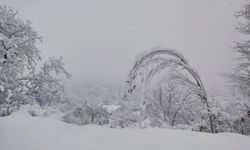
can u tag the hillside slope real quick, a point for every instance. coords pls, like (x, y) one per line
(23, 132)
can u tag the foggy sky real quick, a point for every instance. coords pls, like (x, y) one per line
(100, 39)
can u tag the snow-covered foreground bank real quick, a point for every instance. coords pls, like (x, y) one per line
(23, 132)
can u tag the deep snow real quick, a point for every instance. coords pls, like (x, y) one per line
(21, 131)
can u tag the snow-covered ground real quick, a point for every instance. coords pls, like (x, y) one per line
(21, 131)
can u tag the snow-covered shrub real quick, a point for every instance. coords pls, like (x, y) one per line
(230, 115)
(37, 111)
(201, 127)
(88, 114)
(165, 105)
(128, 115)
(222, 122)
(221, 119)
(182, 127)
(7, 109)
(171, 104)
(10, 105)
(241, 112)
(242, 124)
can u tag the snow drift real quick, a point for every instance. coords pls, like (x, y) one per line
(24, 132)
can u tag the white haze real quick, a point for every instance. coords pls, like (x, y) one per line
(100, 39)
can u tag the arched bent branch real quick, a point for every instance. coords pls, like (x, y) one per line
(176, 61)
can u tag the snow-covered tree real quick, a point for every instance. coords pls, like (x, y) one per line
(18, 54)
(19, 57)
(43, 85)
(147, 65)
(240, 75)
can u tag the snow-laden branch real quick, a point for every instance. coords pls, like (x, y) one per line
(147, 65)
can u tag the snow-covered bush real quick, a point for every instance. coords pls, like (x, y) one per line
(88, 114)
(6, 109)
(128, 115)
(239, 111)
(170, 104)
(229, 115)
(37, 111)
(242, 124)
(201, 127)
(222, 122)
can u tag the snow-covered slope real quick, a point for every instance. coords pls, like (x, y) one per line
(24, 132)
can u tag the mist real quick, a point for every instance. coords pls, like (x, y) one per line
(99, 40)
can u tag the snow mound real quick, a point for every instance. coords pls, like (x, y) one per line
(21, 131)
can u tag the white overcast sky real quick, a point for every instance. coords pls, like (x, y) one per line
(99, 39)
